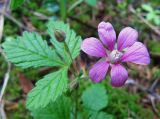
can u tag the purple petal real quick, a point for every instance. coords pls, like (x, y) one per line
(118, 75)
(98, 71)
(127, 37)
(93, 47)
(107, 34)
(137, 54)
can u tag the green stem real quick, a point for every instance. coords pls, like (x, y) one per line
(63, 9)
(76, 104)
(76, 78)
(70, 55)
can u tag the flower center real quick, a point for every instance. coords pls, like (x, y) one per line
(115, 56)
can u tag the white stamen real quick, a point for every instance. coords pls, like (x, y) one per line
(115, 56)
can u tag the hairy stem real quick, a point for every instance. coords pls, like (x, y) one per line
(76, 78)
(70, 55)
(76, 104)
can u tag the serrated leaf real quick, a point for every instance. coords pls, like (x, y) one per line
(58, 110)
(31, 50)
(16, 3)
(72, 40)
(47, 89)
(92, 3)
(147, 7)
(95, 97)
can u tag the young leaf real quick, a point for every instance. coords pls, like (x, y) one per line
(31, 51)
(95, 97)
(16, 3)
(71, 39)
(147, 7)
(150, 16)
(58, 110)
(47, 89)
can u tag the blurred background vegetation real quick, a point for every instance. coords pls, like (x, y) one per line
(139, 99)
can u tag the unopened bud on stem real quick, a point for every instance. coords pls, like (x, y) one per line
(60, 35)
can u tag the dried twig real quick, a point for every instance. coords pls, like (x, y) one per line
(10, 17)
(2, 112)
(154, 85)
(7, 75)
(152, 100)
(1, 25)
(4, 7)
(154, 28)
(151, 94)
(40, 15)
(144, 89)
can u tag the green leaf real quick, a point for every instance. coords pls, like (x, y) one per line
(95, 97)
(16, 3)
(101, 115)
(47, 89)
(31, 51)
(72, 41)
(58, 110)
(157, 12)
(147, 7)
(92, 3)
(157, 20)
(150, 16)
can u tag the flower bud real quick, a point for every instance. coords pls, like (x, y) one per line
(60, 35)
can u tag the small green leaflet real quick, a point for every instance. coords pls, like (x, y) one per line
(150, 16)
(95, 97)
(31, 51)
(47, 89)
(60, 109)
(153, 14)
(72, 40)
(16, 3)
(147, 7)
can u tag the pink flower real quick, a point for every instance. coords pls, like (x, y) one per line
(127, 49)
